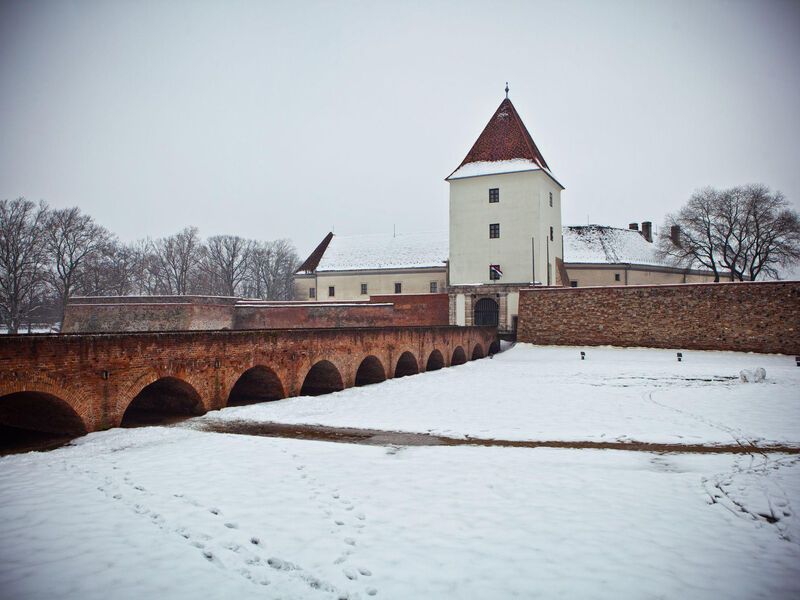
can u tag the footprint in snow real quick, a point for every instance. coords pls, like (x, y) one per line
(364, 572)
(350, 574)
(231, 526)
(213, 511)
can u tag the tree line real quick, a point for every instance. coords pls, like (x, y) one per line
(49, 255)
(741, 233)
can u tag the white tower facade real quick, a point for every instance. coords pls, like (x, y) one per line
(505, 209)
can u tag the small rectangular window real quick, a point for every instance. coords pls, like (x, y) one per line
(494, 230)
(398, 288)
(616, 276)
(573, 284)
(494, 272)
(434, 287)
(331, 290)
(551, 198)
(494, 195)
(312, 293)
(551, 234)
(363, 289)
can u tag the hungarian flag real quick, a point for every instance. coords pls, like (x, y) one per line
(496, 270)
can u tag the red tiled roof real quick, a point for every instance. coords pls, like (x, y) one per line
(505, 138)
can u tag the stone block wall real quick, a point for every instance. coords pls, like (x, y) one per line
(194, 313)
(750, 316)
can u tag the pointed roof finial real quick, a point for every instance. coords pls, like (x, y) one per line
(506, 89)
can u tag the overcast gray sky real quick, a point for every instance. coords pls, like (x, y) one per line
(278, 119)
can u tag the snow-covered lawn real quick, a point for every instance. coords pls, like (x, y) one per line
(549, 393)
(173, 513)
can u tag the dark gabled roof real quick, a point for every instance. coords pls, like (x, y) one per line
(312, 262)
(505, 137)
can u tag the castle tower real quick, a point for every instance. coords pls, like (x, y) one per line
(505, 221)
(505, 208)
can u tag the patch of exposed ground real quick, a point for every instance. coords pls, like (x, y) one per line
(376, 437)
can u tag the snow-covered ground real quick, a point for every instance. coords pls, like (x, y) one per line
(172, 512)
(549, 393)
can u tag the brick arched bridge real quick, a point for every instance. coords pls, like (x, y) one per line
(76, 383)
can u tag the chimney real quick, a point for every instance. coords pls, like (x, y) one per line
(633, 227)
(675, 235)
(647, 231)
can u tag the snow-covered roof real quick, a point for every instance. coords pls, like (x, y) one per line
(599, 244)
(385, 251)
(487, 167)
(587, 244)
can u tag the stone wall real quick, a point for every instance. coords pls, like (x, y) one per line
(750, 316)
(148, 313)
(193, 313)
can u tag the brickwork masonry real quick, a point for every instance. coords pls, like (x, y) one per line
(750, 316)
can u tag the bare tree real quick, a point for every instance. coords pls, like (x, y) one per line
(766, 236)
(746, 231)
(111, 271)
(225, 263)
(175, 261)
(72, 239)
(697, 222)
(22, 259)
(271, 272)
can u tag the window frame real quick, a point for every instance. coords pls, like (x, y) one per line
(398, 287)
(364, 289)
(312, 292)
(493, 276)
(551, 199)
(331, 291)
(434, 287)
(494, 195)
(494, 231)
(551, 234)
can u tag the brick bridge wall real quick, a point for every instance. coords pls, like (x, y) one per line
(749, 316)
(98, 375)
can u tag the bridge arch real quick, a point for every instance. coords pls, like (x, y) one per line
(257, 384)
(435, 361)
(477, 352)
(53, 394)
(37, 410)
(406, 365)
(495, 347)
(459, 357)
(370, 371)
(322, 378)
(163, 399)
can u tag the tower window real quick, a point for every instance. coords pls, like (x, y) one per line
(573, 283)
(398, 288)
(434, 287)
(494, 230)
(363, 289)
(331, 291)
(494, 272)
(551, 234)
(616, 276)
(551, 198)
(494, 195)
(312, 292)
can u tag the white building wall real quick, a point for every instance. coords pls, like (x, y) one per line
(347, 284)
(525, 217)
